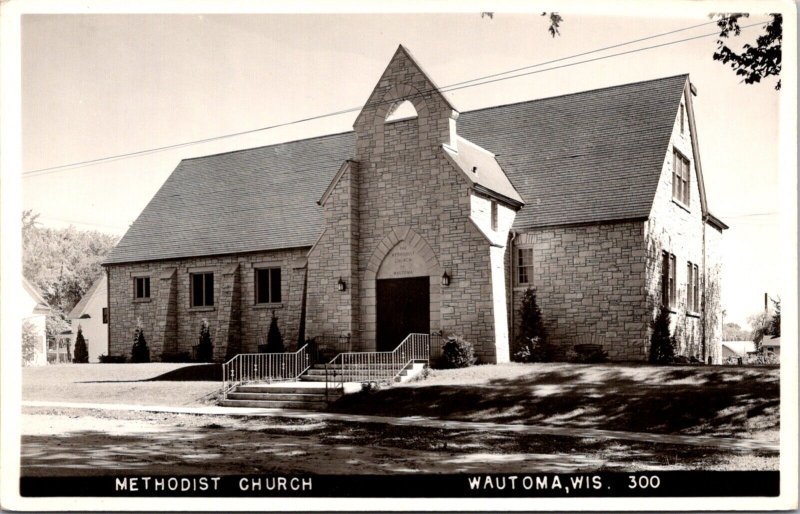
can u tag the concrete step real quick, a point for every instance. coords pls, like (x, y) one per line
(321, 367)
(283, 397)
(272, 404)
(295, 388)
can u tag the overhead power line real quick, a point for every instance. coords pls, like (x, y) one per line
(479, 81)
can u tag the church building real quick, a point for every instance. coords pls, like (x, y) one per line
(424, 219)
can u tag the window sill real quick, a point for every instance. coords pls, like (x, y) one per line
(142, 300)
(692, 314)
(202, 309)
(681, 205)
(268, 305)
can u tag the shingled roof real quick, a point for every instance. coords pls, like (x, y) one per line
(580, 158)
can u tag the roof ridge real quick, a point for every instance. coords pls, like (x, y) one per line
(267, 146)
(577, 93)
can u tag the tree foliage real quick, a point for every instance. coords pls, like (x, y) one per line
(28, 342)
(205, 350)
(81, 355)
(775, 322)
(662, 343)
(62, 263)
(753, 62)
(734, 332)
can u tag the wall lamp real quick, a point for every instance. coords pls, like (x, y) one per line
(341, 285)
(445, 279)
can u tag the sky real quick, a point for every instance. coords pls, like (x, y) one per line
(101, 85)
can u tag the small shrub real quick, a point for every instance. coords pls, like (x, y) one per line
(763, 359)
(370, 387)
(457, 353)
(274, 337)
(175, 357)
(112, 359)
(662, 344)
(205, 350)
(81, 355)
(531, 344)
(140, 352)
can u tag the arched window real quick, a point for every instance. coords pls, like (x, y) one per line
(403, 111)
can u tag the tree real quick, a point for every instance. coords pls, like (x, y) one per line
(205, 350)
(662, 343)
(761, 326)
(531, 341)
(754, 62)
(140, 351)
(81, 355)
(274, 337)
(28, 342)
(775, 322)
(734, 332)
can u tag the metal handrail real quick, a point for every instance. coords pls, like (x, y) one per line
(376, 366)
(264, 367)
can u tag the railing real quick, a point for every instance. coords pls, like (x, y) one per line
(377, 366)
(264, 367)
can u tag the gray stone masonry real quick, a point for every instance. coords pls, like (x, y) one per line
(235, 318)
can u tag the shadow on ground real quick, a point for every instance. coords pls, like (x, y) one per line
(250, 446)
(711, 401)
(211, 372)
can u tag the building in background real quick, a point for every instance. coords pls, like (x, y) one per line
(91, 315)
(36, 310)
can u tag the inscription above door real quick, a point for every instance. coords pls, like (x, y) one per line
(402, 261)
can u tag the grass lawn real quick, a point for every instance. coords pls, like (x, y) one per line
(708, 400)
(155, 383)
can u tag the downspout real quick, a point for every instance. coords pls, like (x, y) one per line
(510, 249)
(703, 312)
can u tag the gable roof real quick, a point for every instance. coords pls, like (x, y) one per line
(586, 157)
(41, 304)
(480, 168)
(579, 158)
(99, 287)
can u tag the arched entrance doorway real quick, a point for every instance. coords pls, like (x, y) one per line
(406, 289)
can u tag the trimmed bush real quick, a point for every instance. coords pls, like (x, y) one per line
(662, 344)
(457, 353)
(274, 337)
(531, 342)
(140, 352)
(81, 355)
(112, 359)
(205, 350)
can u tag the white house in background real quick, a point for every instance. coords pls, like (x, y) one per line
(91, 314)
(36, 310)
(737, 349)
(771, 344)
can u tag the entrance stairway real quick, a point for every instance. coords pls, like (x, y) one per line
(294, 381)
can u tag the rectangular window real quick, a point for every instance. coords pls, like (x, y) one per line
(494, 215)
(524, 265)
(202, 293)
(105, 315)
(696, 289)
(141, 287)
(668, 279)
(682, 114)
(680, 178)
(268, 285)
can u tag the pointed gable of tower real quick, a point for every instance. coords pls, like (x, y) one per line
(405, 81)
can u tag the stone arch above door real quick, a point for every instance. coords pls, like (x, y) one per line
(423, 262)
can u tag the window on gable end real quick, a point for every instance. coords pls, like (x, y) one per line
(405, 110)
(681, 178)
